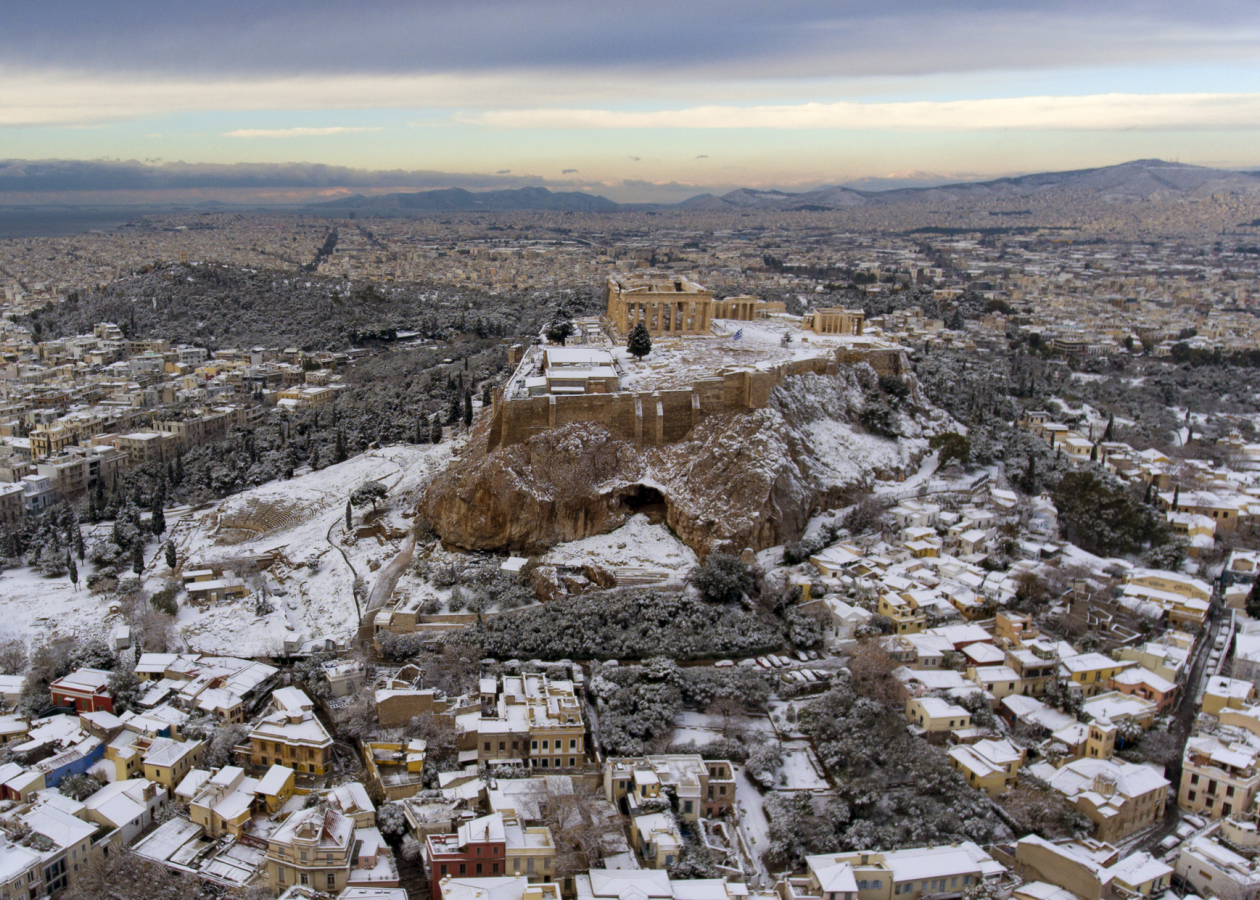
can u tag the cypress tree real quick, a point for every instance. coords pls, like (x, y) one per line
(1176, 498)
(468, 409)
(1110, 433)
(171, 558)
(435, 433)
(137, 558)
(349, 516)
(339, 448)
(72, 569)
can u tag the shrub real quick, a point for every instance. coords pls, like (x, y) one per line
(723, 578)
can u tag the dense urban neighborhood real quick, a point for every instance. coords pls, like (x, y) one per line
(710, 553)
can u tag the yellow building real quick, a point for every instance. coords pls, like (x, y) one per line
(989, 766)
(935, 716)
(167, 761)
(292, 736)
(1218, 779)
(1092, 671)
(311, 849)
(904, 612)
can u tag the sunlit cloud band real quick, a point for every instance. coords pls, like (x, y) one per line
(1101, 112)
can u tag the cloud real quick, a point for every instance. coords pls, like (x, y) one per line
(742, 38)
(1100, 112)
(504, 172)
(53, 176)
(567, 171)
(703, 156)
(293, 132)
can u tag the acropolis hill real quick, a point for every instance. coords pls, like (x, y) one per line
(708, 357)
(738, 432)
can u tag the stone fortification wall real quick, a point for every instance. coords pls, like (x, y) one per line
(656, 418)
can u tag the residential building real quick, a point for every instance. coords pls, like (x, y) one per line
(1119, 797)
(1218, 779)
(704, 787)
(313, 849)
(988, 765)
(292, 736)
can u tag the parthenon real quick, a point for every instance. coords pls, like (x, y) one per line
(667, 306)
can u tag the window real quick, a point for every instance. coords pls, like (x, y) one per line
(478, 868)
(572, 762)
(529, 865)
(494, 869)
(544, 762)
(487, 746)
(443, 870)
(572, 743)
(502, 746)
(306, 880)
(280, 874)
(332, 880)
(533, 745)
(463, 869)
(544, 745)
(687, 806)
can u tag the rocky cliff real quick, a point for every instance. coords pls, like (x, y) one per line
(739, 480)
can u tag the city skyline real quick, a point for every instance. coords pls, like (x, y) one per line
(656, 103)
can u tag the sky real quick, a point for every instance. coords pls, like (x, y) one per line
(642, 100)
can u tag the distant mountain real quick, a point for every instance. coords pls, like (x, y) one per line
(460, 200)
(1143, 179)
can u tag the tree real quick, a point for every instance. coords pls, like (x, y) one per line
(72, 569)
(339, 448)
(951, 446)
(79, 787)
(640, 342)
(171, 558)
(468, 412)
(1252, 604)
(723, 578)
(349, 516)
(372, 492)
(435, 432)
(559, 331)
(1110, 434)
(157, 523)
(137, 559)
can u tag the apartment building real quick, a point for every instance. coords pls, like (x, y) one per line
(532, 719)
(312, 849)
(1092, 672)
(292, 736)
(704, 787)
(943, 872)
(1218, 779)
(1119, 797)
(478, 849)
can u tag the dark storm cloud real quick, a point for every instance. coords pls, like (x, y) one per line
(56, 176)
(806, 37)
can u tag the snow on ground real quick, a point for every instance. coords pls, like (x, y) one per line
(754, 827)
(801, 769)
(704, 728)
(309, 601)
(636, 544)
(852, 457)
(313, 582)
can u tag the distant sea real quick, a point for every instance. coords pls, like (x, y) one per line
(34, 221)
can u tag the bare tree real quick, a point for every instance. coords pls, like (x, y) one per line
(125, 876)
(575, 823)
(733, 711)
(871, 668)
(13, 656)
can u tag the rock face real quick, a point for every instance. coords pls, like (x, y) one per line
(740, 480)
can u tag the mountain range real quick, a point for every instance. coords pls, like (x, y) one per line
(1140, 180)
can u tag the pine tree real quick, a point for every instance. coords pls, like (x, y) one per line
(640, 342)
(1251, 606)
(171, 558)
(349, 517)
(72, 569)
(468, 409)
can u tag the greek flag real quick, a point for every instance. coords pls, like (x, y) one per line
(737, 335)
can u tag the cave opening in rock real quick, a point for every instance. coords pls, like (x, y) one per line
(641, 498)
